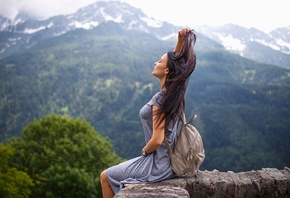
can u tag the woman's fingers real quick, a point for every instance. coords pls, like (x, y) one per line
(183, 31)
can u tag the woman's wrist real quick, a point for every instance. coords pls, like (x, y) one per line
(143, 152)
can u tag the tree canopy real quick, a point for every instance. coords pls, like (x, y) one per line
(63, 156)
(13, 183)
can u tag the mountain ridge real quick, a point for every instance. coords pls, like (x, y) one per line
(24, 32)
(271, 48)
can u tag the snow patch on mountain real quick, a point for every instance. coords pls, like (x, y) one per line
(59, 33)
(31, 31)
(152, 22)
(168, 37)
(231, 43)
(87, 25)
(5, 24)
(132, 24)
(108, 17)
(286, 45)
(274, 46)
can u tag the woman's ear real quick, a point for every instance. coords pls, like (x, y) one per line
(166, 71)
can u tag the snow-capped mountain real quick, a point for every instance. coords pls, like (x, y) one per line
(236, 38)
(24, 32)
(270, 48)
(87, 18)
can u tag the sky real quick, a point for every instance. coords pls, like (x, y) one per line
(264, 15)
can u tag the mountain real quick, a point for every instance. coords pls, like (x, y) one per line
(23, 32)
(271, 48)
(103, 75)
(93, 74)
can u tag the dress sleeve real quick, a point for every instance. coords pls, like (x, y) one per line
(156, 99)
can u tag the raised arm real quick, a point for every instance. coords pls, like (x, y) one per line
(179, 42)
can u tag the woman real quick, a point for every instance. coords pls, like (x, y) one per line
(159, 120)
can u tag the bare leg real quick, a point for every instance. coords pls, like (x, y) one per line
(106, 188)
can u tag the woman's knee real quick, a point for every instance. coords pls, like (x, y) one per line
(103, 176)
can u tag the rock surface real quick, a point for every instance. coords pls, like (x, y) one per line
(265, 183)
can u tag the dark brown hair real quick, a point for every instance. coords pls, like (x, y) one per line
(180, 66)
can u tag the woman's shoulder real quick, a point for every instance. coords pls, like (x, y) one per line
(156, 99)
(159, 94)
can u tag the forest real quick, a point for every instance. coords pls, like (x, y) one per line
(103, 77)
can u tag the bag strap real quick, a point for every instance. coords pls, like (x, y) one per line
(192, 118)
(168, 146)
(183, 118)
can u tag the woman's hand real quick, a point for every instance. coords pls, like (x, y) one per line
(181, 34)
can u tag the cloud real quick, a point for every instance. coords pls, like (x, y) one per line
(41, 8)
(8, 8)
(261, 14)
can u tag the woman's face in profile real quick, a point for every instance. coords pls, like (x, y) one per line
(161, 70)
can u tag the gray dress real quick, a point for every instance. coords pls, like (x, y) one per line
(151, 168)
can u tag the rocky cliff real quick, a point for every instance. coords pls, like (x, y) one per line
(268, 182)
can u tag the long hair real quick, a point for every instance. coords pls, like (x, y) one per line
(180, 66)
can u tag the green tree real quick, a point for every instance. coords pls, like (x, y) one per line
(13, 183)
(63, 156)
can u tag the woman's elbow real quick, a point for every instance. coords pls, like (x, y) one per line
(157, 143)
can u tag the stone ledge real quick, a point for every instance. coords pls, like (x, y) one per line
(268, 182)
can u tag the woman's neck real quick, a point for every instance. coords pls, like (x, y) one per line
(162, 87)
(162, 84)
